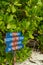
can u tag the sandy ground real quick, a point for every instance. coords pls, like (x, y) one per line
(35, 59)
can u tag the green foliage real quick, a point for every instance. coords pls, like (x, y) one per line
(20, 15)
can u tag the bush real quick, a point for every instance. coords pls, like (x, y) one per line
(25, 16)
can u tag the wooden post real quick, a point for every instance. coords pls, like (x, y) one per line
(14, 57)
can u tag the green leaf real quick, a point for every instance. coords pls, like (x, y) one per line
(13, 9)
(17, 3)
(1, 22)
(9, 18)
